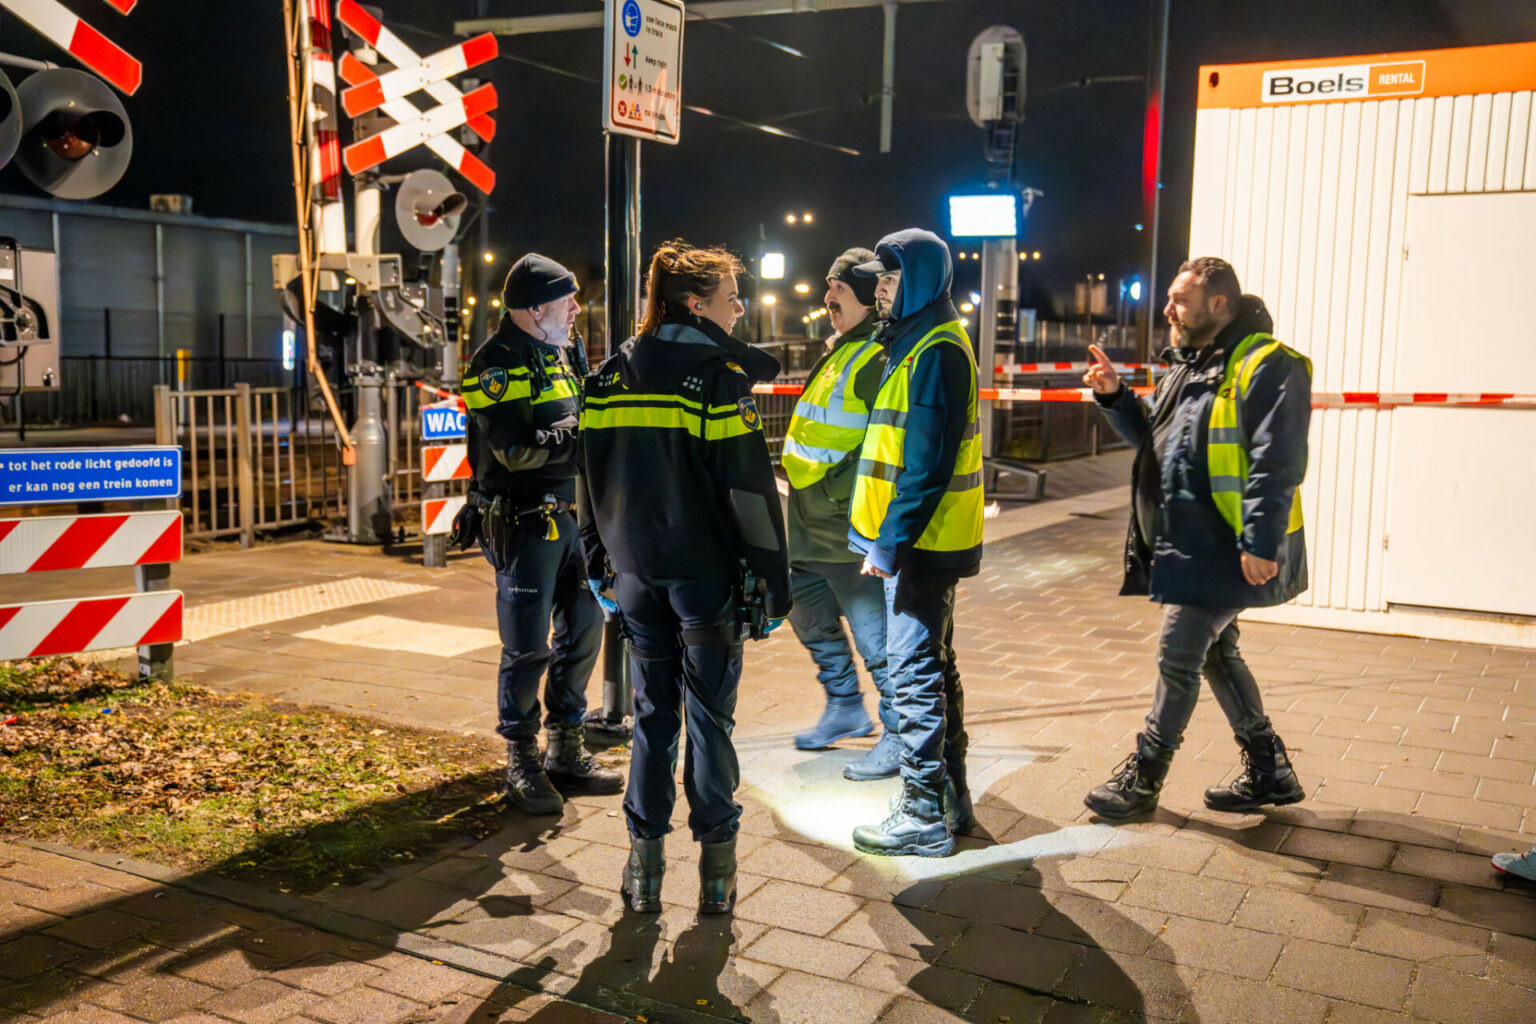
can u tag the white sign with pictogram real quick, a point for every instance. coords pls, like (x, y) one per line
(643, 68)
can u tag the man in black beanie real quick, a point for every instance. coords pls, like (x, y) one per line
(821, 453)
(521, 392)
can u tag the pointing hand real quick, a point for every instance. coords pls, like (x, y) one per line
(1101, 376)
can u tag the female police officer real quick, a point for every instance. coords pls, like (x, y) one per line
(682, 496)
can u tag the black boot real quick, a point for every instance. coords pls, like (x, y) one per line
(527, 785)
(717, 877)
(641, 883)
(1136, 783)
(568, 762)
(1267, 779)
(917, 826)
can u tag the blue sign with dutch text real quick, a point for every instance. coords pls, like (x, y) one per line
(440, 423)
(36, 476)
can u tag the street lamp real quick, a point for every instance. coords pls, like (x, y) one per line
(772, 266)
(806, 218)
(770, 299)
(802, 288)
(789, 218)
(488, 256)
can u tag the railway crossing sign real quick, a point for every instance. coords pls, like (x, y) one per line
(80, 40)
(643, 68)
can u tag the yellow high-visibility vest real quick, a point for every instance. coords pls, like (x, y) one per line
(829, 420)
(1226, 452)
(957, 522)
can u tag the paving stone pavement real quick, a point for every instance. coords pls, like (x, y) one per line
(1373, 901)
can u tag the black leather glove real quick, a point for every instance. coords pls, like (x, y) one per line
(466, 527)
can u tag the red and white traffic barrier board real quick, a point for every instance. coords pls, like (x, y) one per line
(75, 35)
(449, 97)
(94, 624)
(47, 543)
(437, 514)
(444, 462)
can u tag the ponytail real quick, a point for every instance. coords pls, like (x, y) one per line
(677, 271)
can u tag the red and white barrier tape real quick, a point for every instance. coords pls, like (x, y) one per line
(45, 628)
(437, 514)
(48, 543)
(443, 462)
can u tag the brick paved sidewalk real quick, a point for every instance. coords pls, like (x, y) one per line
(1373, 901)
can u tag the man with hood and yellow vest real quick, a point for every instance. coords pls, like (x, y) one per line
(821, 458)
(1215, 525)
(916, 517)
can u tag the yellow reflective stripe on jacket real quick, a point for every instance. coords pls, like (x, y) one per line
(829, 419)
(1226, 447)
(475, 398)
(957, 522)
(657, 412)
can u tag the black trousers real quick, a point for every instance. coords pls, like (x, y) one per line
(686, 671)
(540, 583)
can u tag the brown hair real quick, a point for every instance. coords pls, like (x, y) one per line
(679, 270)
(1217, 277)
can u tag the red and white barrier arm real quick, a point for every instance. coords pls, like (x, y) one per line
(48, 543)
(399, 53)
(401, 82)
(1320, 400)
(93, 624)
(470, 166)
(392, 141)
(447, 396)
(1024, 368)
(73, 34)
(443, 462)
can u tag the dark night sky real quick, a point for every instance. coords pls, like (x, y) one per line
(211, 118)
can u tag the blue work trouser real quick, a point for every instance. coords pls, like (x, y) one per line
(1199, 641)
(825, 592)
(925, 682)
(540, 582)
(686, 664)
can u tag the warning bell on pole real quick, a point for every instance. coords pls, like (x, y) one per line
(428, 209)
(76, 140)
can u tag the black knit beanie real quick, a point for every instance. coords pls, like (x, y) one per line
(535, 280)
(842, 270)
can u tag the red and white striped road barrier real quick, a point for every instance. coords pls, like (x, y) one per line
(448, 397)
(401, 82)
(396, 139)
(437, 514)
(45, 628)
(48, 543)
(447, 147)
(1024, 368)
(1320, 400)
(74, 34)
(443, 462)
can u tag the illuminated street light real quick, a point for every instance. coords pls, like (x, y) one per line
(496, 303)
(806, 218)
(1035, 255)
(1101, 277)
(1023, 256)
(805, 319)
(975, 255)
(489, 257)
(770, 299)
(965, 321)
(962, 255)
(976, 297)
(772, 266)
(1135, 291)
(470, 301)
(966, 307)
(802, 289)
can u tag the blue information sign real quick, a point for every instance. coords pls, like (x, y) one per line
(33, 476)
(441, 423)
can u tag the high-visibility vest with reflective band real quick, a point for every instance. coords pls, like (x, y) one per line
(957, 522)
(829, 419)
(1227, 441)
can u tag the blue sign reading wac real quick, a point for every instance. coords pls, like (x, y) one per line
(34, 476)
(441, 423)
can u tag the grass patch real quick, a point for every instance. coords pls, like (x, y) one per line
(300, 797)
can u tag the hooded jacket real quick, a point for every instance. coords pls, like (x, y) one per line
(679, 483)
(1178, 548)
(943, 385)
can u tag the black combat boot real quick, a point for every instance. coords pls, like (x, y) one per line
(1267, 779)
(569, 763)
(1136, 783)
(717, 877)
(527, 785)
(640, 884)
(917, 826)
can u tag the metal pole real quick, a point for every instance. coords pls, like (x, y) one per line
(1152, 162)
(887, 75)
(622, 297)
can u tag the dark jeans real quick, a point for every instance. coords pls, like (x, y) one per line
(544, 581)
(823, 593)
(686, 668)
(1198, 641)
(930, 704)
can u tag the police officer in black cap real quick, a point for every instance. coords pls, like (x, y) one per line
(522, 395)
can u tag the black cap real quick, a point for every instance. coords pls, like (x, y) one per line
(863, 287)
(535, 280)
(884, 263)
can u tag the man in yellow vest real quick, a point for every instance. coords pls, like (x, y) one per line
(916, 518)
(821, 458)
(1215, 525)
